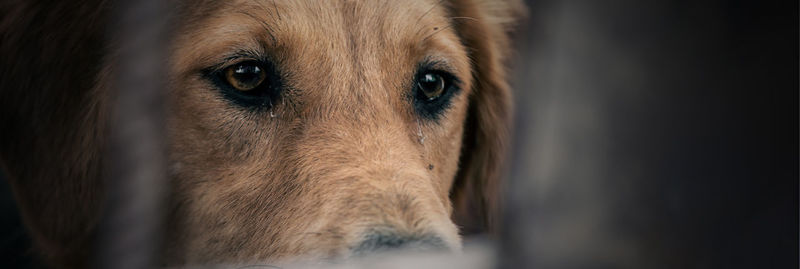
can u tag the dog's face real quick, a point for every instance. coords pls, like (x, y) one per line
(323, 128)
(326, 128)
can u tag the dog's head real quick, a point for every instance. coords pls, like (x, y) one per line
(335, 128)
(296, 128)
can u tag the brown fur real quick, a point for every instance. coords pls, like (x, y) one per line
(342, 154)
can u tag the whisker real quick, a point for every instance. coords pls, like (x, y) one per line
(466, 18)
(429, 11)
(275, 6)
(437, 31)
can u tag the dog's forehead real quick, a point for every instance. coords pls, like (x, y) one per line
(324, 32)
(392, 18)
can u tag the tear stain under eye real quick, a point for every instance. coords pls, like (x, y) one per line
(271, 110)
(419, 133)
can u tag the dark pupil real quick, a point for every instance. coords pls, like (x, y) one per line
(249, 75)
(430, 82)
(431, 85)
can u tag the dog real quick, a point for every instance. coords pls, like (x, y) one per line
(323, 129)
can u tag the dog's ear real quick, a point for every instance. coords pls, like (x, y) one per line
(476, 191)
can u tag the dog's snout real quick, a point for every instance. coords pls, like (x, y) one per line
(375, 242)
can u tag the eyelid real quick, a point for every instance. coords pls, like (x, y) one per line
(236, 58)
(441, 67)
(446, 74)
(438, 62)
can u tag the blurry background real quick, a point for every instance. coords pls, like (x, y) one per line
(650, 134)
(655, 134)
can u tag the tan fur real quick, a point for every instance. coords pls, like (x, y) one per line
(342, 154)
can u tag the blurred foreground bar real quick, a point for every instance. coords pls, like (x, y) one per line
(132, 224)
(655, 134)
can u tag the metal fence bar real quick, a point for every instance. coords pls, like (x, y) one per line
(133, 223)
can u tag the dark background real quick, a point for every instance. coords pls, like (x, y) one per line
(650, 134)
(655, 134)
(15, 246)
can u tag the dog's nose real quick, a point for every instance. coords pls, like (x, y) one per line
(375, 242)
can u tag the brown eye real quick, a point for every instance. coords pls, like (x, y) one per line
(245, 76)
(433, 90)
(431, 85)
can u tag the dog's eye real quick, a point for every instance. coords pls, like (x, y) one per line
(431, 85)
(245, 77)
(252, 84)
(433, 90)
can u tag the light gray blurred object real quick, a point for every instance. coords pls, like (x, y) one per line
(134, 218)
